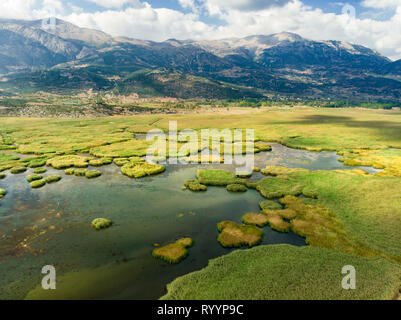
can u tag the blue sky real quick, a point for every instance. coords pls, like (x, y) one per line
(372, 23)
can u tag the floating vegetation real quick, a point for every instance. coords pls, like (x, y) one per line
(100, 162)
(244, 174)
(174, 253)
(34, 177)
(121, 161)
(255, 219)
(288, 214)
(195, 186)
(76, 172)
(53, 178)
(18, 170)
(2, 193)
(124, 149)
(277, 171)
(2, 176)
(142, 169)
(91, 174)
(233, 235)
(269, 205)
(215, 177)
(68, 161)
(37, 163)
(259, 147)
(40, 170)
(37, 184)
(277, 222)
(277, 188)
(204, 159)
(236, 188)
(101, 223)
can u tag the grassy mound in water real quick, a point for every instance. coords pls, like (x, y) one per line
(236, 188)
(100, 162)
(101, 223)
(269, 205)
(277, 187)
(2, 176)
(194, 186)
(175, 252)
(215, 177)
(2, 193)
(122, 149)
(39, 170)
(53, 178)
(91, 174)
(259, 147)
(37, 163)
(121, 161)
(34, 177)
(305, 273)
(277, 222)
(18, 170)
(68, 161)
(141, 169)
(37, 184)
(255, 219)
(233, 235)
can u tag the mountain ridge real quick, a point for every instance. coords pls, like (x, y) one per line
(283, 63)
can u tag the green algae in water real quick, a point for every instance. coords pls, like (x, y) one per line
(101, 223)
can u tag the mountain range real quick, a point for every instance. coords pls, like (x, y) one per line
(69, 58)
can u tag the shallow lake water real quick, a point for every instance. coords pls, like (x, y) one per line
(51, 226)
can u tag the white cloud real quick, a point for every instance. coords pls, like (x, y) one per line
(116, 3)
(381, 4)
(144, 23)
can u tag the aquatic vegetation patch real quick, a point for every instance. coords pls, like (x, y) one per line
(18, 170)
(91, 174)
(174, 253)
(37, 184)
(387, 159)
(215, 177)
(244, 174)
(101, 223)
(53, 178)
(2, 176)
(37, 163)
(322, 228)
(142, 169)
(124, 149)
(34, 177)
(236, 188)
(276, 221)
(255, 219)
(68, 161)
(195, 186)
(259, 147)
(2, 193)
(269, 205)
(276, 188)
(233, 235)
(121, 161)
(40, 170)
(100, 162)
(277, 171)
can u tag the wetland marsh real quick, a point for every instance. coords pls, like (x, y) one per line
(52, 224)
